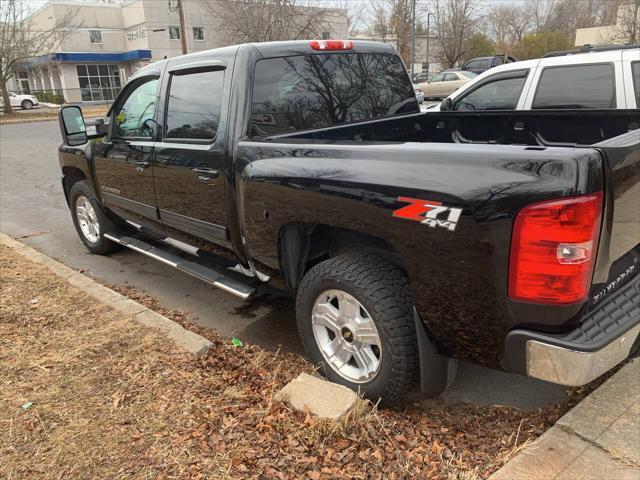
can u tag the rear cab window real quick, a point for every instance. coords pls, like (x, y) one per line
(576, 86)
(322, 90)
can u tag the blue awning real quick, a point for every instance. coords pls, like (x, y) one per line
(129, 56)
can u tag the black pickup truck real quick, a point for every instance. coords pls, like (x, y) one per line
(411, 240)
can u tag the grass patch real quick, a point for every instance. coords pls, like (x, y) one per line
(113, 399)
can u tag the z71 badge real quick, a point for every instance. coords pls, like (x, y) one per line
(433, 214)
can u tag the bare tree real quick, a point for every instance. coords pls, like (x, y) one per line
(22, 38)
(379, 19)
(455, 23)
(628, 23)
(569, 15)
(540, 12)
(356, 16)
(269, 20)
(507, 25)
(401, 23)
(392, 20)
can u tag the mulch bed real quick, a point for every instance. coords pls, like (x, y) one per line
(112, 399)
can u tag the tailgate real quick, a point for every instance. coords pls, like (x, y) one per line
(619, 251)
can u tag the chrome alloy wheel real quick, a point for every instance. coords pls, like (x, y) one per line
(87, 219)
(346, 336)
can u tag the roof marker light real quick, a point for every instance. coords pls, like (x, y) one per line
(331, 44)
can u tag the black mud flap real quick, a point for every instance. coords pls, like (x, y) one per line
(437, 371)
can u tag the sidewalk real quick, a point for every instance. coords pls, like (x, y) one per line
(598, 439)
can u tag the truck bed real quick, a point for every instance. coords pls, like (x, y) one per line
(534, 127)
(490, 165)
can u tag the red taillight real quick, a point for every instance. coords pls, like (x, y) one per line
(332, 44)
(553, 250)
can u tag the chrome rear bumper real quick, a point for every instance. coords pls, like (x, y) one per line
(607, 335)
(573, 367)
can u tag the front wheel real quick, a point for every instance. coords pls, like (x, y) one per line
(90, 220)
(355, 319)
(26, 105)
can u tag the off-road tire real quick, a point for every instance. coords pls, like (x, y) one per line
(383, 291)
(103, 246)
(26, 105)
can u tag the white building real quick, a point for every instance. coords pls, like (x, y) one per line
(627, 21)
(115, 38)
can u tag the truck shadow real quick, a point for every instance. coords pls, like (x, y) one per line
(277, 328)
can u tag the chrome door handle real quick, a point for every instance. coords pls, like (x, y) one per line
(141, 165)
(205, 173)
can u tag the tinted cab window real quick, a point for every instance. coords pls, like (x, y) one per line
(321, 90)
(499, 94)
(193, 109)
(576, 86)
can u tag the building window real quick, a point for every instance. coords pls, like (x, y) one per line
(23, 78)
(95, 36)
(98, 82)
(198, 33)
(174, 32)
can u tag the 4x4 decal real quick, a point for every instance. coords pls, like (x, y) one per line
(433, 214)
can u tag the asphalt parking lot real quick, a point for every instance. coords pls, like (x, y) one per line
(33, 209)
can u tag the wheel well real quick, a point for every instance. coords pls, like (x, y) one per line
(71, 175)
(303, 245)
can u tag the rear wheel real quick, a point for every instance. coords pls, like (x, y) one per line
(26, 105)
(355, 319)
(90, 221)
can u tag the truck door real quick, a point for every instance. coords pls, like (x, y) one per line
(123, 162)
(190, 159)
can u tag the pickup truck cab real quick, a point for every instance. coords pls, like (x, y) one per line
(596, 77)
(482, 64)
(409, 240)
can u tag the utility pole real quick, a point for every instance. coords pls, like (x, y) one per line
(428, 35)
(413, 37)
(183, 33)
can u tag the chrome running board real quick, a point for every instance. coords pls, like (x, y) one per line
(201, 272)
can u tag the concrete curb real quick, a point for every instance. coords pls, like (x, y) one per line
(596, 439)
(186, 339)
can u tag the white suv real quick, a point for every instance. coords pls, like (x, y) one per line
(26, 102)
(603, 77)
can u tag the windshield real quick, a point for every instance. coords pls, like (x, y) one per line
(322, 90)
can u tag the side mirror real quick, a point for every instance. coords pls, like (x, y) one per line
(97, 127)
(72, 127)
(446, 105)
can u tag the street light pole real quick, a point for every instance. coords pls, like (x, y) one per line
(413, 37)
